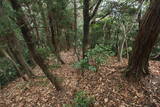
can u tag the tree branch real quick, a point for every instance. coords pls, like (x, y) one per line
(92, 6)
(95, 9)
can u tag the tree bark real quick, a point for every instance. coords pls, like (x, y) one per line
(144, 42)
(22, 22)
(127, 51)
(75, 30)
(14, 45)
(14, 63)
(9, 55)
(67, 40)
(46, 26)
(86, 23)
(139, 15)
(122, 43)
(87, 19)
(53, 38)
(33, 20)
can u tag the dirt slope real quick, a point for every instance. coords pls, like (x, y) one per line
(108, 87)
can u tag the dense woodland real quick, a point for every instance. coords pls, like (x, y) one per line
(79, 53)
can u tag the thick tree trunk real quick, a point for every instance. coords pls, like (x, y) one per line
(21, 21)
(144, 42)
(86, 23)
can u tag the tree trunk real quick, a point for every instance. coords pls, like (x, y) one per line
(75, 25)
(67, 40)
(33, 20)
(53, 38)
(9, 54)
(144, 42)
(14, 45)
(122, 43)
(15, 64)
(104, 32)
(139, 15)
(75, 30)
(127, 51)
(86, 23)
(21, 21)
(46, 26)
(31, 60)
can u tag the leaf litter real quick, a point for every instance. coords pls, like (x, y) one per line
(108, 87)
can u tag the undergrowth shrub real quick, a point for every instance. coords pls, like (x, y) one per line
(44, 52)
(94, 58)
(54, 66)
(81, 100)
(7, 72)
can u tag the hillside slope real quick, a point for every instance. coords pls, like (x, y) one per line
(108, 87)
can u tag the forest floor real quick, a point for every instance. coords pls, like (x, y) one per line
(108, 87)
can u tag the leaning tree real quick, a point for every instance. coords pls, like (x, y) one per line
(22, 22)
(144, 42)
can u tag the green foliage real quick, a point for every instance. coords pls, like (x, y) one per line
(7, 72)
(81, 100)
(156, 50)
(26, 55)
(97, 55)
(44, 52)
(54, 66)
(100, 53)
(6, 19)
